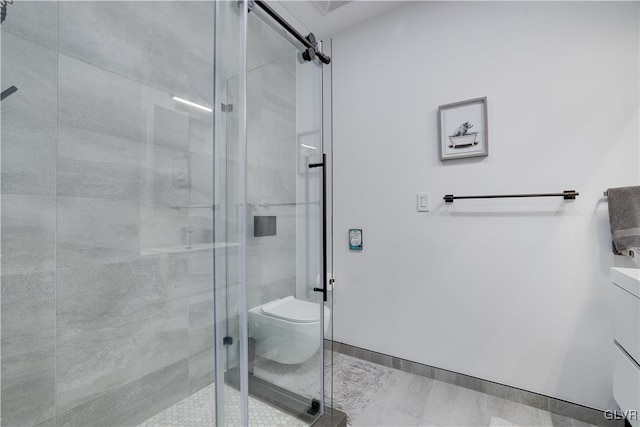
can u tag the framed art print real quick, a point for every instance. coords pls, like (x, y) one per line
(462, 129)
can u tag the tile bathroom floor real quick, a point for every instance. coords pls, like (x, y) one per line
(375, 395)
(370, 394)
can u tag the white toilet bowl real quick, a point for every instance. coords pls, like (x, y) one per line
(287, 330)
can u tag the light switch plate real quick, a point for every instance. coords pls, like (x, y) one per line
(423, 202)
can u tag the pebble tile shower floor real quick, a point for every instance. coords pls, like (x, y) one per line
(198, 410)
(371, 395)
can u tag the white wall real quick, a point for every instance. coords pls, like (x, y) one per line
(509, 290)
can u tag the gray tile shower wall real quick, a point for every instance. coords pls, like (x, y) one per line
(96, 231)
(28, 312)
(99, 296)
(28, 387)
(96, 165)
(201, 321)
(28, 234)
(132, 403)
(165, 45)
(33, 22)
(106, 314)
(32, 69)
(28, 218)
(125, 352)
(28, 156)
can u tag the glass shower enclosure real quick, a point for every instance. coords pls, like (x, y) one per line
(161, 217)
(271, 208)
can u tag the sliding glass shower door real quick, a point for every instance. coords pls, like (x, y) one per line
(284, 258)
(270, 311)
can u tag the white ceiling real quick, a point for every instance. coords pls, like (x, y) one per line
(325, 26)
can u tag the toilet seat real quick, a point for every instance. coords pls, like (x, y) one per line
(294, 310)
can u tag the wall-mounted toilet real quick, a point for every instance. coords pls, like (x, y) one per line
(287, 330)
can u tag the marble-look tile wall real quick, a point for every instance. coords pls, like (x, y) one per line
(107, 317)
(28, 234)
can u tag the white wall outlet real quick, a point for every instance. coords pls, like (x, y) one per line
(423, 202)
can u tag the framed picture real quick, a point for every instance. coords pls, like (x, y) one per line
(462, 129)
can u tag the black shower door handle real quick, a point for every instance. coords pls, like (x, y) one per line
(323, 165)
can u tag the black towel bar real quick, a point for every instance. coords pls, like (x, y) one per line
(567, 195)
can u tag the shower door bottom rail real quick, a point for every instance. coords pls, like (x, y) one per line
(277, 396)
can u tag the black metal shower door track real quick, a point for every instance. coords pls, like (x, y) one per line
(309, 41)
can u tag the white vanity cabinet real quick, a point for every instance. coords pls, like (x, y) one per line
(626, 357)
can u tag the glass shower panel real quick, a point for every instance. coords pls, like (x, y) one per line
(268, 224)
(133, 246)
(286, 317)
(107, 211)
(232, 407)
